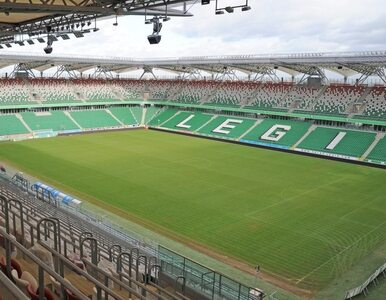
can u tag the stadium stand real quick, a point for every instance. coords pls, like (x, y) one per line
(196, 91)
(335, 102)
(124, 114)
(378, 154)
(292, 132)
(137, 113)
(301, 98)
(353, 143)
(233, 94)
(95, 90)
(162, 117)
(227, 127)
(337, 98)
(269, 95)
(15, 92)
(94, 119)
(53, 91)
(189, 121)
(161, 89)
(131, 89)
(151, 112)
(375, 103)
(11, 125)
(54, 119)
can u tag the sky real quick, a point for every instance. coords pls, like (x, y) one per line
(271, 26)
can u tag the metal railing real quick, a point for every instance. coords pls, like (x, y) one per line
(363, 288)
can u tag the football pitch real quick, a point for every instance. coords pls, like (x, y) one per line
(302, 219)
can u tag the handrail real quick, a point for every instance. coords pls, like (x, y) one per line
(7, 244)
(18, 205)
(68, 263)
(42, 267)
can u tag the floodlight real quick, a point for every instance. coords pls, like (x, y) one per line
(31, 42)
(78, 34)
(205, 2)
(40, 40)
(65, 36)
(245, 8)
(166, 19)
(154, 38)
(48, 49)
(229, 9)
(8, 45)
(219, 12)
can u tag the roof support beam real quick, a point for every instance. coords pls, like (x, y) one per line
(270, 73)
(102, 72)
(22, 67)
(66, 69)
(147, 70)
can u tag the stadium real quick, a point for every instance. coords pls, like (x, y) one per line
(241, 177)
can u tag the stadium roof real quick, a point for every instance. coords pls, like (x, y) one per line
(346, 64)
(22, 20)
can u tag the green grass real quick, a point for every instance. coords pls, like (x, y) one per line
(304, 219)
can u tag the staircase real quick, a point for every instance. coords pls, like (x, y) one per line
(352, 111)
(74, 90)
(24, 123)
(178, 112)
(311, 129)
(143, 116)
(360, 101)
(378, 137)
(117, 94)
(210, 96)
(321, 92)
(32, 93)
(250, 129)
(253, 97)
(177, 92)
(202, 126)
(72, 119)
(114, 117)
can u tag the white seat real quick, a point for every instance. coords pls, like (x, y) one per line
(20, 283)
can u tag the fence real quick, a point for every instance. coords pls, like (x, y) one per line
(363, 288)
(211, 284)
